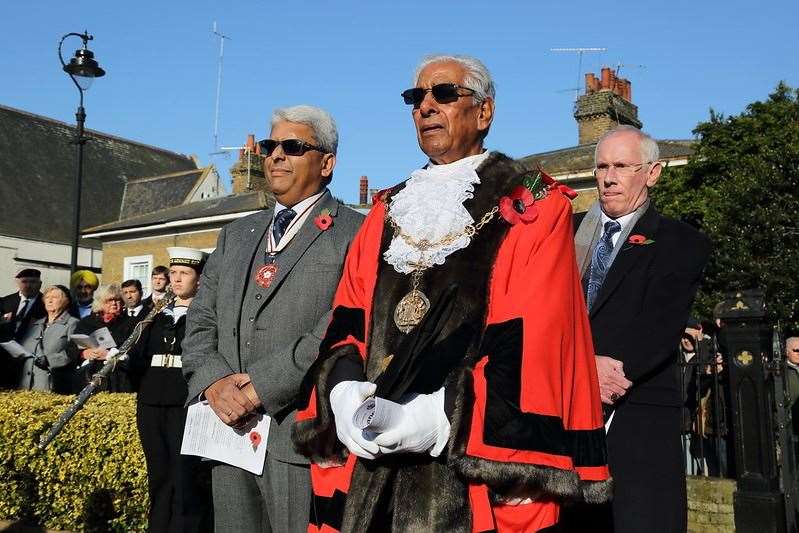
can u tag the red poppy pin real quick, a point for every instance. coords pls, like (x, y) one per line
(255, 439)
(323, 220)
(639, 240)
(518, 206)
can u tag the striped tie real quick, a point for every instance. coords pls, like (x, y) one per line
(600, 261)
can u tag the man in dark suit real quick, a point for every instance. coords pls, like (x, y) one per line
(640, 273)
(18, 310)
(262, 308)
(159, 281)
(135, 308)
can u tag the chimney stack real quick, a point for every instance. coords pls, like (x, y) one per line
(363, 197)
(248, 172)
(607, 102)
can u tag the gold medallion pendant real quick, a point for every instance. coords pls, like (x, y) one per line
(410, 310)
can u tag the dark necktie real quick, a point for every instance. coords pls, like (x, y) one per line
(23, 310)
(282, 221)
(600, 261)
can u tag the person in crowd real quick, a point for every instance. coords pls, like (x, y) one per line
(83, 283)
(707, 399)
(792, 386)
(461, 303)
(792, 361)
(179, 485)
(106, 313)
(159, 281)
(47, 366)
(262, 307)
(640, 272)
(20, 308)
(17, 311)
(135, 308)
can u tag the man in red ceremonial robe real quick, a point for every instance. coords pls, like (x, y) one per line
(461, 303)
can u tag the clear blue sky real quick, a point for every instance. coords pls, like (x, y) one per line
(354, 58)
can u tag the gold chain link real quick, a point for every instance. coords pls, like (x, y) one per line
(470, 230)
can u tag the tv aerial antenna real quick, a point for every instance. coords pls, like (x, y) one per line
(579, 51)
(625, 65)
(222, 38)
(247, 151)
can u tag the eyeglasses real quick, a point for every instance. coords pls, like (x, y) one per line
(444, 93)
(622, 169)
(290, 147)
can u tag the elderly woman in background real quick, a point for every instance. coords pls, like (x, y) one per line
(106, 313)
(47, 368)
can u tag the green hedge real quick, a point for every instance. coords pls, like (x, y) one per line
(92, 477)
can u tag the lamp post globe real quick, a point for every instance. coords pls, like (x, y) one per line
(82, 70)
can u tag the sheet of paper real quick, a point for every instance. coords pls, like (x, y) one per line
(377, 415)
(104, 338)
(207, 436)
(83, 341)
(15, 349)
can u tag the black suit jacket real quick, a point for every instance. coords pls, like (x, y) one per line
(10, 305)
(9, 366)
(158, 385)
(638, 318)
(641, 309)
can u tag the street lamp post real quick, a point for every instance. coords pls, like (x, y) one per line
(82, 69)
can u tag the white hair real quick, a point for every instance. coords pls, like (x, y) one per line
(477, 76)
(649, 146)
(104, 293)
(319, 120)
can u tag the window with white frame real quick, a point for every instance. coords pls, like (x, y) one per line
(139, 267)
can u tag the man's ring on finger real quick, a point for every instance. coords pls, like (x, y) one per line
(613, 396)
(229, 413)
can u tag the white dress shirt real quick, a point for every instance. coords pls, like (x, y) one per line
(297, 221)
(624, 221)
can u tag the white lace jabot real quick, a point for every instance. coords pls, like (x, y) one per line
(431, 207)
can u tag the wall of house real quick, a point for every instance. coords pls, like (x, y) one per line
(16, 254)
(211, 187)
(584, 200)
(151, 249)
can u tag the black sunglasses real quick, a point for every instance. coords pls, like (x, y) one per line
(444, 93)
(290, 146)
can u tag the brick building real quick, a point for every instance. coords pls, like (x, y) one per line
(606, 103)
(121, 178)
(132, 246)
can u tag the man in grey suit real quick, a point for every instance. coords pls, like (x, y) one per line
(262, 309)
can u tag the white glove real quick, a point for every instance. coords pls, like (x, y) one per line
(111, 353)
(345, 398)
(423, 427)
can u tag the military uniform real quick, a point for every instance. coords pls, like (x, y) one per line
(179, 485)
